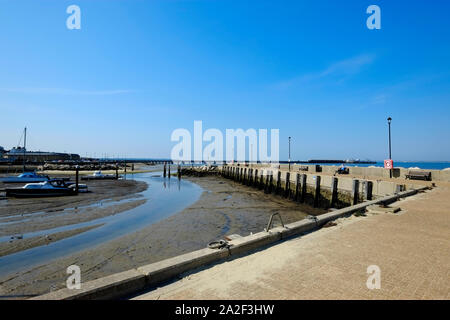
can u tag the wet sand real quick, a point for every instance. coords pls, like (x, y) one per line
(16, 245)
(52, 212)
(224, 208)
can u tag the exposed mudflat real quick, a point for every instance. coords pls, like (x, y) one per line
(22, 215)
(16, 245)
(224, 208)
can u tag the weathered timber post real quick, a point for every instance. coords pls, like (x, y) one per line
(271, 182)
(334, 191)
(261, 180)
(287, 191)
(179, 171)
(368, 190)
(169, 171)
(132, 167)
(297, 187)
(117, 171)
(278, 182)
(255, 180)
(244, 178)
(355, 191)
(267, 181)
(165, 168)
(77, 169)
(317, 192)
(303, 181)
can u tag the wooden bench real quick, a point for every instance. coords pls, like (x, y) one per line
(303, 168)
(343, 171)
(419, 175)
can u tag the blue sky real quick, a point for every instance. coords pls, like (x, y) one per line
(137, 70)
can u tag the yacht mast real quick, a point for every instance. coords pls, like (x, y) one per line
(24, 146)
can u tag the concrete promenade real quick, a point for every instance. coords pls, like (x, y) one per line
(411, 248)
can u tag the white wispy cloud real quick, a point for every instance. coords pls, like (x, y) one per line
(62, 91)
(339, 71)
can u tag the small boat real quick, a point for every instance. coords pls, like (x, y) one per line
(98, 175)
(82, 188)
(26, 177)
(55, 187)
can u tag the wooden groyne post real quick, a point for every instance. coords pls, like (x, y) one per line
(278, 189)
(271, 182)
(334, 191)
(287, 192)
(297, 187)
(355, 191)
(303, 193)
(367, 187)
(77, 169)
(317, 192)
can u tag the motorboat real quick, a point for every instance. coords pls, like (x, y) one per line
(26, 177)
(98, 175)
(82, 188)
(55, 187)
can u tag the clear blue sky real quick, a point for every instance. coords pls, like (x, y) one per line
(137, 70)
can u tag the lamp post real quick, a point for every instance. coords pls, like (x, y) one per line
(289, 160)
(390, 154)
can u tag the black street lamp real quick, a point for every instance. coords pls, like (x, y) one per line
(289, 154)
(390, 154)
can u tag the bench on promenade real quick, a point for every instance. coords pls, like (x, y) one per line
(419, 175)
(303, 168)
(343, 171)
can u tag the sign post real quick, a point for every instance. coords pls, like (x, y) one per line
(389, 164)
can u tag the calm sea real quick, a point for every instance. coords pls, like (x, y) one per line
(404, 164)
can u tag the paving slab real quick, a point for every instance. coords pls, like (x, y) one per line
(411, 251)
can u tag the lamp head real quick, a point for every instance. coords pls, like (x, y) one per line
(389, 119)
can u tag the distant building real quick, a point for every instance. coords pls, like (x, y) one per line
(19, 153)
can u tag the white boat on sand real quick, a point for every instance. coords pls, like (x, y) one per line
(26, 177)
(98, 175)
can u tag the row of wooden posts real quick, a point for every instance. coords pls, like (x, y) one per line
(166, 172)
(253, 177)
